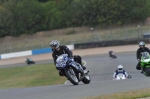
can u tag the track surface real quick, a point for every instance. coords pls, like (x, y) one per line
(101, 69)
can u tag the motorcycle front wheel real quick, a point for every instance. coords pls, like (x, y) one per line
(70, 74)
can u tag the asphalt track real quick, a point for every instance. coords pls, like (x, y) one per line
(101, 69)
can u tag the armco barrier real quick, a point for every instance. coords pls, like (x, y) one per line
(48, 50)
(109, 43)
(16, 54)
(30, 52)
(71, 47)
(76, 46)
(41, 51)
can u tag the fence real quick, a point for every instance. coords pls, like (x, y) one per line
(71, 36)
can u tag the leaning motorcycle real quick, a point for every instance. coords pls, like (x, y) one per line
(29, 61)
(121, 76)
(145, 63)
(112, 54)
(72, 70)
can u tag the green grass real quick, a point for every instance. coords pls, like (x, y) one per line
(134, 94)
(30, 76)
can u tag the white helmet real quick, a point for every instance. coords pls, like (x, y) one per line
(142, 43)
(54, 44)
(120, 67)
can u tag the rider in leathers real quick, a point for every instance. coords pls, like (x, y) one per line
(59, 50)
(141, 49)
(120, 70)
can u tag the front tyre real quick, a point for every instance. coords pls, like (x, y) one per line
(70, 74)
(86, 79)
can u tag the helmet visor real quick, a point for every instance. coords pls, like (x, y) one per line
(53, 47)
(141, 45)
(119, 68)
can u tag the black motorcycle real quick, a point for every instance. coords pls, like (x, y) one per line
(112, 54)
(29, 61)
(72, 70)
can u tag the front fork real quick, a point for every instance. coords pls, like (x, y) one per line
(78, 67)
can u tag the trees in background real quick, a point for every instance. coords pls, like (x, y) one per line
(29, 16)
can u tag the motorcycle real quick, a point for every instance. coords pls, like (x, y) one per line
(121, 76)
(112, 54)
(29, 61)
(145, 63)
(71, 70)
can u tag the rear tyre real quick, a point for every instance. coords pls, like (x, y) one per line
(70, 74)
(86, 79)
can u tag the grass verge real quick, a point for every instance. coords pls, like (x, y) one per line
(134, 94)
(29, 76)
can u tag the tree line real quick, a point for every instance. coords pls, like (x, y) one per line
(29, 16)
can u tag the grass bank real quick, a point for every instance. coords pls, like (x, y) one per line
(29, 76)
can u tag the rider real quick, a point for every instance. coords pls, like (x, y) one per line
(141, 49)
(120, 70)
(111, 53)
(28, 60)
(59, 50)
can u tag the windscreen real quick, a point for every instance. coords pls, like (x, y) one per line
(145, 55)
(61, 60)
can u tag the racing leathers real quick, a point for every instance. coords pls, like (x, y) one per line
(63, 50)
(138, 55)
(118, 72)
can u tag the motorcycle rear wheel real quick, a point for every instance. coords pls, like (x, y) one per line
(86, 79)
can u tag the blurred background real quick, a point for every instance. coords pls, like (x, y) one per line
(71, 36)
(32, 24)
